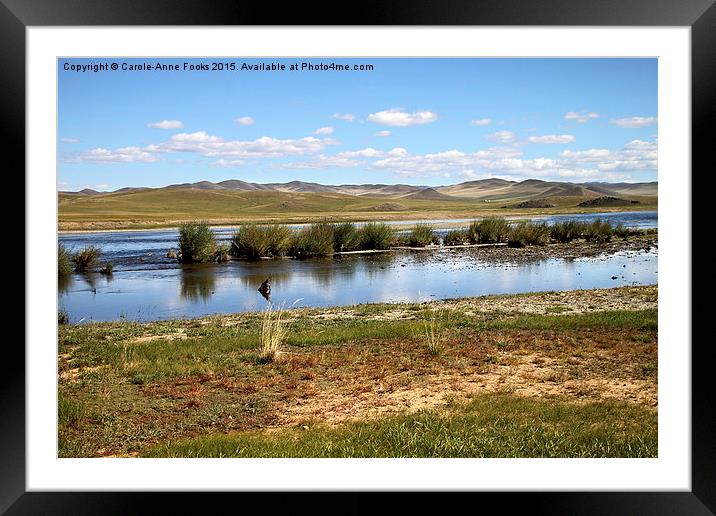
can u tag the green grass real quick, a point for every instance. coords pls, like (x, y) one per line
(313, 240)
(215, 348)
(492, 425)
(528, 233)
(421, 234)
(375, 235)
(254, 241)
(456, 237)
(489, 230)
(345, 237)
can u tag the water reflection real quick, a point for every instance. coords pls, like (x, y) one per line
(64, 283)
(197, 290)
(197, 283)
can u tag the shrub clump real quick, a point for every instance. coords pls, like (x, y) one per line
(490, 230)
(222, 253)
(624, 232)
(314, 240)
(196, 242)
(254, 241)
(85, 258)
(456, 237)
(528, 233)
(567, 231)
(64, 261)
(421, 235)
(598, 231)
(345, 237)
(107, 269)
(375, 235)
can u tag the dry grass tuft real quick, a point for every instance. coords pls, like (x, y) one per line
(273, 331)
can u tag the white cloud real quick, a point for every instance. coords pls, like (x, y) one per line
(397, 117)
(244, 120)
(264, 147)
(596, 164)
(398, 151)
(551, 138)
(383, 134)
(346, 117)
(634, 122)
(322, 161)
(582, 117)
(481, 121)
(324, 130)
(167, 124)
(228, 163)
(502, 137)
(70, 140)
(368, 152)
(208, 146)
(121, 155)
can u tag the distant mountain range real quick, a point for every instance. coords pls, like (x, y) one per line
(487, 190)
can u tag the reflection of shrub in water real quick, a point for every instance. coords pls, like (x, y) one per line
(64, 282)
(197, 284)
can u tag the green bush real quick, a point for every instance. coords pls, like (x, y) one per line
(86, 258)
(528, 233)
(107, 269)
(254, 241)
(64, 261)
(598, 231)
(345, 237)
(567, 231)
(421, 235)
(624, 232)
(488, 231)
(375, 235)
(314, 240)
(196, 242)
(456, 237)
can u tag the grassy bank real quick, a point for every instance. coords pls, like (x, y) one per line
(504, 382)
(491, 425)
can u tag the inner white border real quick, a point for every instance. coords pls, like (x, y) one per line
(671, 471)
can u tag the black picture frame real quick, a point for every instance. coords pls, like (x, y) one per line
(17, 15)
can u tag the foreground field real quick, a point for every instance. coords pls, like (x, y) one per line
(554, 374)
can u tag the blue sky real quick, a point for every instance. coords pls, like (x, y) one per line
(413, 121)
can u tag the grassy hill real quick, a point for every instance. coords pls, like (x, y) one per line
(235, 201)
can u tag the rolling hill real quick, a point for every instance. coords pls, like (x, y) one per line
(235, 200)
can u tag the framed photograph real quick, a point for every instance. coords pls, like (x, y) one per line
(419, 252)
